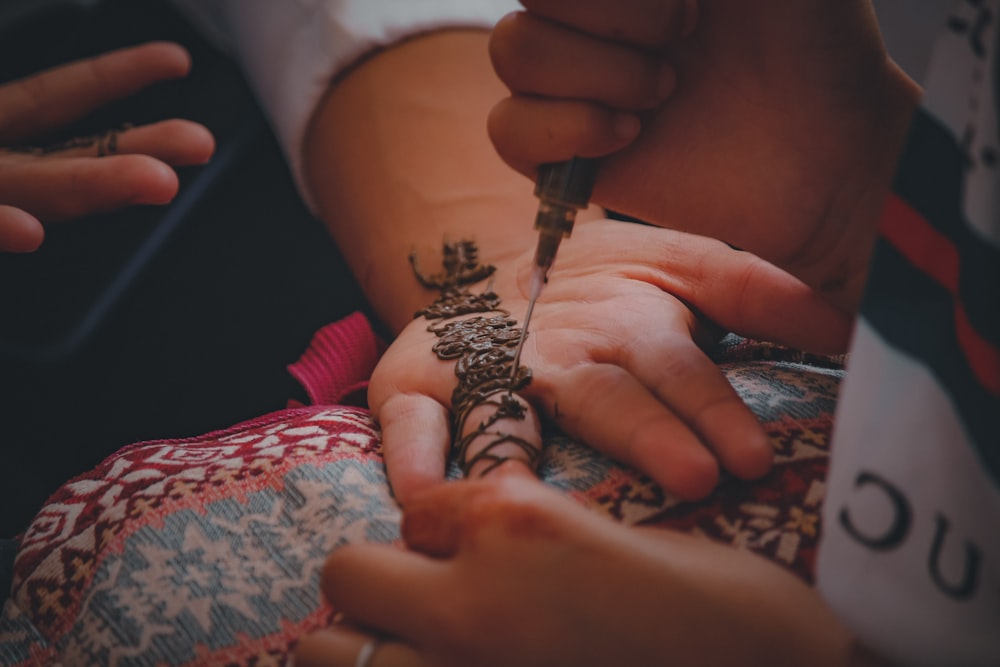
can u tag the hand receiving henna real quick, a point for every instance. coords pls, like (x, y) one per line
(504, 571)
(615, 359)
(90, 174)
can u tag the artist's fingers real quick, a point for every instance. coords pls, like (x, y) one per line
(177, 142)
(416, 438)
(55, 190)
(527, 132)
(692, 386)
(56, 97)
(540, 58)
(341, 647)
(438, 518)
(433, 522)
(614, 412)
(650, 23)
(19, 230)
(385, 588)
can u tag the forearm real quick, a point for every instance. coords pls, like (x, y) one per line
(397, 159)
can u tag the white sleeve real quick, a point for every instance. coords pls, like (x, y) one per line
(291, 49)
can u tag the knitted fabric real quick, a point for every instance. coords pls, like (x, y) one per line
(208, 550)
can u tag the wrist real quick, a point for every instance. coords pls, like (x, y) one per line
(398, 161)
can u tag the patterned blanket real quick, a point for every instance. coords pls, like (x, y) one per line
(207, 551)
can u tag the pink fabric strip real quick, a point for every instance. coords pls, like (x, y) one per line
(339, 361)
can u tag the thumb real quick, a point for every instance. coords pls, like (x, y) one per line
(439, 519)
(750, 296)
(433, 521)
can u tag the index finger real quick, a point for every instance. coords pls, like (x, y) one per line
(58, 96)
(653, 24)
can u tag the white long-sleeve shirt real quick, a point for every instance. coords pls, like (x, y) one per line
(291, 50)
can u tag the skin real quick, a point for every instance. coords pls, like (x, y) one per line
(396, 155)
(805, 88)
(398, 159)
(71, 183)
(480, 553)
(685, 108)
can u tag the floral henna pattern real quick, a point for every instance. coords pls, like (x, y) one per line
(106, 142)
(483, 348)
(461, 267)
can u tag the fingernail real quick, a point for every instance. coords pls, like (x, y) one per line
(626, 126)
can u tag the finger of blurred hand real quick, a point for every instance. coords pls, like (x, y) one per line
(384, 588)
(606, 406)
(62, 189)
(537, 57)
(416, 439)
(177, 142)
(433, 522)
(55, 97)
(438, 518)
(527, 131)
(340, 647)
(654, 24)
(19, 230)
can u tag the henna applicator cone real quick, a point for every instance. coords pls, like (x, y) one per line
(562, 188)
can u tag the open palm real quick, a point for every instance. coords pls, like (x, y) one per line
(614, 350)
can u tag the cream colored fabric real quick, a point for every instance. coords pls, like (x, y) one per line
(292, 49)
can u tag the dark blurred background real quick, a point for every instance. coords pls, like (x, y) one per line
(156, 322)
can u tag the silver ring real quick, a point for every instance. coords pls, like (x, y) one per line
(367, 653)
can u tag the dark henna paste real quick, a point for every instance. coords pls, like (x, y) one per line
(106, 142)
(461, 267)
(483, 347)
